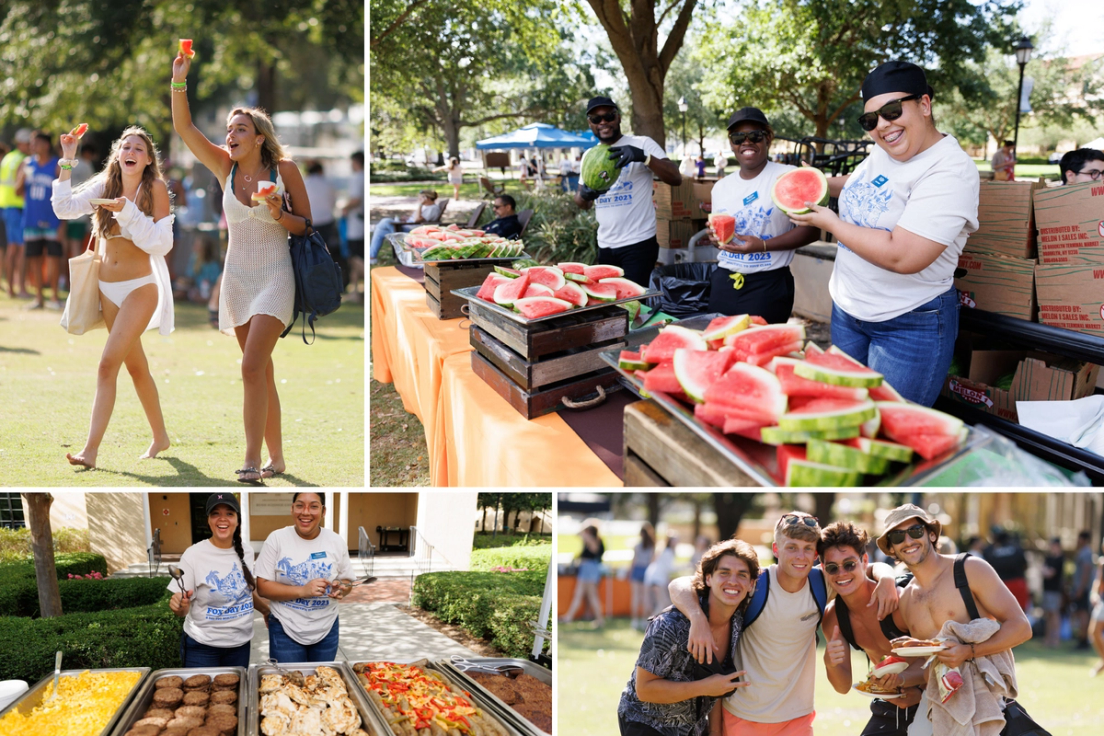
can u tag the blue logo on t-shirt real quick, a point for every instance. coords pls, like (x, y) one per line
(879, 180)
(303, 573)
(751, 198)
(229, 597)
(318, 555)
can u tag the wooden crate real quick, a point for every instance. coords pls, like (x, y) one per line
(442, 278)
(661, 451)
(546, 399)
(538, 339)
(530, 375)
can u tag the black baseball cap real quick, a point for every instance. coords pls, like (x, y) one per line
(748, 115)
(224, 498)
(600, 102)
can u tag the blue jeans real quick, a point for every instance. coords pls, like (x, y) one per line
(195, 654)
(283, 648)
(913, 351)
(385, 227)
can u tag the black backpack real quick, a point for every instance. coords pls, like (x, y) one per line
(318, 284)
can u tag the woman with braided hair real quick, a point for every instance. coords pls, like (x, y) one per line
(220, 592)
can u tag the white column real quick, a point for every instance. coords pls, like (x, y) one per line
(330, 523)
(343, 518)
(247, 541)
(147, 521)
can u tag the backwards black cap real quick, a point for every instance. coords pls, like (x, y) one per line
(896, 76)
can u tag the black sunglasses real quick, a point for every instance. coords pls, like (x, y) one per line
(1094, 175)
(755, 136)
(916, 531)
(794, 520)
(889, 111)
(609, 117)
(833, 569)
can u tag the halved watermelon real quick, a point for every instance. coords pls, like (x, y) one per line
(828, 414)
(796, 187)
(550, 276)
(506, 294)
(626, 289)
(631, 361)
(507, 272)
(766, 337)
(807, 474)
(838, 371)
(842, 456)
(723, 227)
(662, 378)
(492, 282)
(536, 290)
(570, 267)
(750, 391)
(571, 292)
(534, 307)
(697, 370)
(795, 385)
(598, 293)
(670, 339)
(597, 273)
(722, 327)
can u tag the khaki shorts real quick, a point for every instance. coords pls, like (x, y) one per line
(735, 726)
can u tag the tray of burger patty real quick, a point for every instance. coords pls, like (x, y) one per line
(521, 690)
(88, 702)
(309, 698)
(420, 699)
(203, 701)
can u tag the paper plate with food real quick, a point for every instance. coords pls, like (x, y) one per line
(872, 689)
(918, 647)
(100, 200)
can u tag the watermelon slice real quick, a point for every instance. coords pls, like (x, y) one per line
(828, 414)
(722, 327)
(750, 428)
(778, 436)
(838, 371)
(631, 361)
(507, 272)
(885, 392)
(927, 431)
(769, 355)
(493, 281)
(597, 273)
(264, 189)
(880, 448)
(697, 370)
(842, 456)
(671, 338)
(534, 307)
(786, 453)
(576, 277)
(796, 187)
(795, 385)
(598, 293)
(570, 267)
(506, 294)
(571, 292)
(425, 230)
(930, 446)
(750, 391)
(536, 290)
(550, 276)
(757, 320)
(766, 338)
(626, 289)
(662, 378)
(723, 227)
(186, 48)
(811, 348)
(80, 130)
(806, 474)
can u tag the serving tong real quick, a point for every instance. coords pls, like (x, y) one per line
(465, 665)
(294, 675)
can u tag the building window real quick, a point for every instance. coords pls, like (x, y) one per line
(11, 511)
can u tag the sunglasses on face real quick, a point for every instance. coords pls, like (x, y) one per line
(794, 520)
(1094, 175)
(889, 112)
(609, 117)
(916, 531)
(833, 569)
(755, 136)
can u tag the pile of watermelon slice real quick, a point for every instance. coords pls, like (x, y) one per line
(541, 291)
(832, 419)
(435, 243)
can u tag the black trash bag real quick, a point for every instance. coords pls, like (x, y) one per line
(683, 287)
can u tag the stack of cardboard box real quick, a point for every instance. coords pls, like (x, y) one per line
(678, 213)
(1070, 272)
(997, 266)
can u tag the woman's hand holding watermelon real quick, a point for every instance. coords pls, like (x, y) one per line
(745, 244)
(68, 145)
(821, 217)
(181, 65)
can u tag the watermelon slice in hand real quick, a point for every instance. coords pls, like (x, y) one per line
(80, 130)
(796, 187)
(723, 227)
(264, 189)
(186, 47)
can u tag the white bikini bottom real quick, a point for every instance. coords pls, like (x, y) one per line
(117, 291)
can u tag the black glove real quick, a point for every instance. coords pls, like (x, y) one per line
(626, 155)
(587, 194)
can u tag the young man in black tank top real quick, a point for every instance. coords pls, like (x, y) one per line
(850, 620)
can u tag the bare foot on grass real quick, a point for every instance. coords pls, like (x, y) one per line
(82, 458)
(155, 447)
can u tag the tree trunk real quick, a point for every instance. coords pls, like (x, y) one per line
(42, 544)
(823, 507)
(483, 524)
(653, 508)
(697, 517)
(730, 509)
(266, 87)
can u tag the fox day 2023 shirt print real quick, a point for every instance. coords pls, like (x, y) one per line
(289, 559)
(221, 614)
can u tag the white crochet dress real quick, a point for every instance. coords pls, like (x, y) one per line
(257, 278)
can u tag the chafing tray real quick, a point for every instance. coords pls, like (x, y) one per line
(141, 702)
(371, 721)
(455, 669)
(33, 697)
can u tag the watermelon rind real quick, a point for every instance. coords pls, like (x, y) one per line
(571, 292)
(889, 450)
(808, 474)
(633, 308)
(842, 456)
(631, 361)
(626, 289)
(779, 436)
(507, 272)
(846, 417)
(572, 276)
(535, 307)
(722, 327)
(596, 170)
(820, 197)
(838, 377)
(600, 292)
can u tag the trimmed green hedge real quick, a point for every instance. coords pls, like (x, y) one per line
(148, 636)
(534, 557)
(490, 605)
(76, 563)
(20, 598)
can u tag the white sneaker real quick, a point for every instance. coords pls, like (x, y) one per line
(371, 261)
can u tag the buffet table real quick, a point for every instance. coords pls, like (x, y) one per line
(473, 436)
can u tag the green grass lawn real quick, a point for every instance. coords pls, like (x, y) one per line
(470, 189)
(594, 666)
(1026, 171)
(47, 382)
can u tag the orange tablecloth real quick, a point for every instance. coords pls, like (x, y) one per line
(474, 437)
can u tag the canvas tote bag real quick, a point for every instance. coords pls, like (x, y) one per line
(82, 307)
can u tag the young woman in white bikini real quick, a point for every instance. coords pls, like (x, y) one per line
(258, 284)
(133, 233)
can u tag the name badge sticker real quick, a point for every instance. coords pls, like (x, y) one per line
(751, 198)
(879, 180)
(318, 555)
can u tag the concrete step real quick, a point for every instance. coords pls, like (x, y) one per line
(383, 567)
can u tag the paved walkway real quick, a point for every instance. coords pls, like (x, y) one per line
(397, 206)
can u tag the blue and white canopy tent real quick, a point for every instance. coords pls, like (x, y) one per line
(536, 135)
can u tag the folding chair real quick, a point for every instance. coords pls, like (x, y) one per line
(490, 190)
(475, 215)
(524, 217)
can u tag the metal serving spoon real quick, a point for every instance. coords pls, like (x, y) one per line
(178, 576)
(57, 676)
(507, 670)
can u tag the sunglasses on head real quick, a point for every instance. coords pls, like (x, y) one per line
(916, 531)
(755, 136)
(888, 112)
(795, 519)
(833, 569)
(608, 117)
(1094, 175)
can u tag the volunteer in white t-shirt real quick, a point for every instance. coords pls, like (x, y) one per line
(297, 570)
(753, 269)
(625, 212)
(905, 214)
(219, 592)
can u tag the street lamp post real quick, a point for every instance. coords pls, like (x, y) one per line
(683, 107)
(1023, 55)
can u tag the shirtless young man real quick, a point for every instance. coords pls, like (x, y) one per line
(849, 620)
(778, 652)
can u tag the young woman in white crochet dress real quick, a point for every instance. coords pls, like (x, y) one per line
(258, 285)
